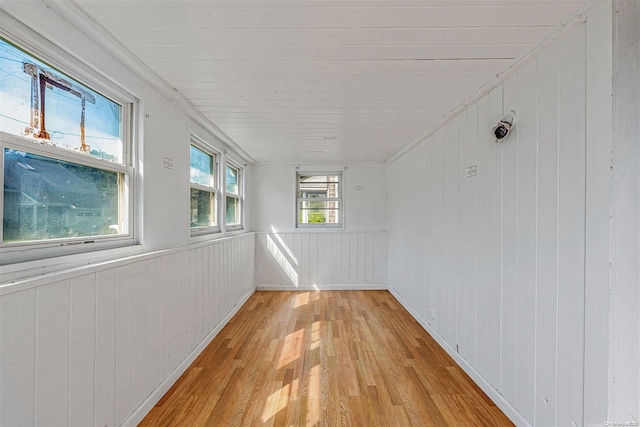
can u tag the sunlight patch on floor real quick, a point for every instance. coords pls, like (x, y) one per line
(292, 348)
(316, 335)
(313, 414)
(301, 299)
(271, 406)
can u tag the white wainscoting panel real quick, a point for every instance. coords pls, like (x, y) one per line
(321, 260)
(99, 345)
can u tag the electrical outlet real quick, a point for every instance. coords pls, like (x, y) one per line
(431, 316)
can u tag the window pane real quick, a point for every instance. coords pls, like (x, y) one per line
(232, 180)
(25, 82)
(233, 211)
(201, 167)
(45, 198)
(327, 186)
(318, 212)
(202, 208)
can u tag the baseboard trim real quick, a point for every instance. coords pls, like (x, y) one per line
(366, 287)
(155, 396)
(505, 406)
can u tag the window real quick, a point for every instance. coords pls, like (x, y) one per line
(203, 190)
(66, 159)
(319, 200)
(233, 187)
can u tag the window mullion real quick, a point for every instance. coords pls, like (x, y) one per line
(320, 199)
(202, 187)
(18, 144)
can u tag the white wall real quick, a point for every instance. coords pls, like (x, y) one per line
(353, 257)
(316, 260)
(508, 269)
(275, 196)
(166, 202)
(624, 392)
(96, 339)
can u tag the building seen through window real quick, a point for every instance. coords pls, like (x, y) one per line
(46, 198)
(319, 199)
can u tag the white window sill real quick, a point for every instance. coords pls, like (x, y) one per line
(12, 272)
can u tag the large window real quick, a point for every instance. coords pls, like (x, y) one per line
(204, 190)
(319, 199)
(233, 194)
(66, 157)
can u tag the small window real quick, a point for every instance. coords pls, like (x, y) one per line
(204, 190)
(233, 194)
(319, 201)
(66, 160)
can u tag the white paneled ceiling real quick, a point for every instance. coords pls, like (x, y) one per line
(324, 80)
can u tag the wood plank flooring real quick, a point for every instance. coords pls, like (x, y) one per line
(329, 358)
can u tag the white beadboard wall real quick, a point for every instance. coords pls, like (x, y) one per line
(493, 265)
(321, 260)
(624, 395)
(99, 345)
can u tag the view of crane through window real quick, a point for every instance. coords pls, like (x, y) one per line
(45, 197)
(319, 199)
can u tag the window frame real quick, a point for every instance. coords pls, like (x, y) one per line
(239, 197)
(31, 250)
(339, 199)
(215, 189)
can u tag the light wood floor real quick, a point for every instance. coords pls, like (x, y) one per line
(330, 358)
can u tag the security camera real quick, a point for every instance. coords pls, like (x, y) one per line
(504, 126)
